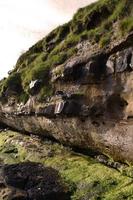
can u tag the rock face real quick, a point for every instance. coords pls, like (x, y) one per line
(89, 101)
(96, 109)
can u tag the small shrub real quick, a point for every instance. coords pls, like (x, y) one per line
(71, 40)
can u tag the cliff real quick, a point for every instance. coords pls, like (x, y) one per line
(75, 85)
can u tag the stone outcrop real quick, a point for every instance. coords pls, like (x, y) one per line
(92, 107)
(81, 96)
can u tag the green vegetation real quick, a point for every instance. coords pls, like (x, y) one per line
(23, 97)
(85, 177)
(46, 91)
(126, 25)
(104, 41)
(95, 23)
(13, 79)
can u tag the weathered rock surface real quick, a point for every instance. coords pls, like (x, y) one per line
(101, 116)
(87, 95)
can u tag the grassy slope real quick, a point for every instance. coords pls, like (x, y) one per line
(93, 23)
(87, 179)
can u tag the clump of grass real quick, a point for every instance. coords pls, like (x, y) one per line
(126, 25)
(45, 92)
(104, 41)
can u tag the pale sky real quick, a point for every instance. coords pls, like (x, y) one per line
(24, 22)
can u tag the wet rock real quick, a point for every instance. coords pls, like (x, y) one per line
(30, 181)
(103, 119)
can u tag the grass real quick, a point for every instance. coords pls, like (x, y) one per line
(93, 23)
(126, 25)
(104, 41)
(46, 91)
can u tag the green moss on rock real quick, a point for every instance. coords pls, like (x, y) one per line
(85, 177)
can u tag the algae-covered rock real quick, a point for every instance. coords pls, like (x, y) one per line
(82, 176)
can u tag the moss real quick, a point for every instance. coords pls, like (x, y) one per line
(89, 179)
(86, 178)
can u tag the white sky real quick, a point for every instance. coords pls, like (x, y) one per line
(24, 22)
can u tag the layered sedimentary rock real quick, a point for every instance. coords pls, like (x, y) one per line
(91, 102)
(92, 107)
